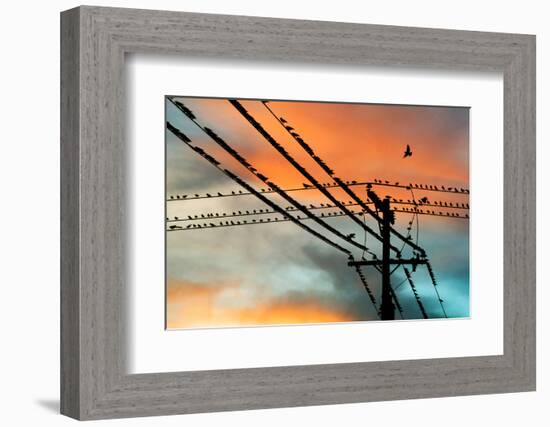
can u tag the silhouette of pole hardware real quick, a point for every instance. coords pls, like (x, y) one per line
(412, 261)
(387, 311)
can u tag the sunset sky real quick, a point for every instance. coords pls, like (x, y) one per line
(278, 273)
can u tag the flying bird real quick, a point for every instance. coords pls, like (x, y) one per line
(408, 152)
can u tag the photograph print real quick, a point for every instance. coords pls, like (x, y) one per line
(283, 212)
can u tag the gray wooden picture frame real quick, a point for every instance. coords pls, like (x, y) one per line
(94, 41)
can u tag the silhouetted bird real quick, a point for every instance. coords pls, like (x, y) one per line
(307, 185)
(282, 120)
(424, 200)
(197, 195)
(351, 236)
(408, 152)
(220, 194)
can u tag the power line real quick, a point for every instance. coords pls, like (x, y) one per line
(233, 153)
(354, 183)
(339, 181)
(214, 217)
(415, 292)
(434, 283)
(312, 207)
(249, 188)
(435, 203)
(256, 125)
(367, 288)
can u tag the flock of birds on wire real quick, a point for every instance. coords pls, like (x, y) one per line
(224, 222)
(305, 186)
(418, 207)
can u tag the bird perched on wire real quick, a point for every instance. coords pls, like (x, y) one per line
(408, 152)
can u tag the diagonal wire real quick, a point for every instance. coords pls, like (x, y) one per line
(232, 152)
(340, 182)
(367, 288)
(248, 187)
(416, 296)
(256, 125)
(434, 283)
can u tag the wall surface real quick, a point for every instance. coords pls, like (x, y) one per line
(29, 212)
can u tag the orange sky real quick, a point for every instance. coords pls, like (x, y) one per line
(193, 305)
(359, 142)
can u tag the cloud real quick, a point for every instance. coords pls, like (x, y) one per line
(192, 304)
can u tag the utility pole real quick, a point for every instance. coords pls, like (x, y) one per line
(387, 310)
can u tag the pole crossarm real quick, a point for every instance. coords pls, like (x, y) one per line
(378, 262)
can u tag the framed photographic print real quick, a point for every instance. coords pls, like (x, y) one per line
(292, 213)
